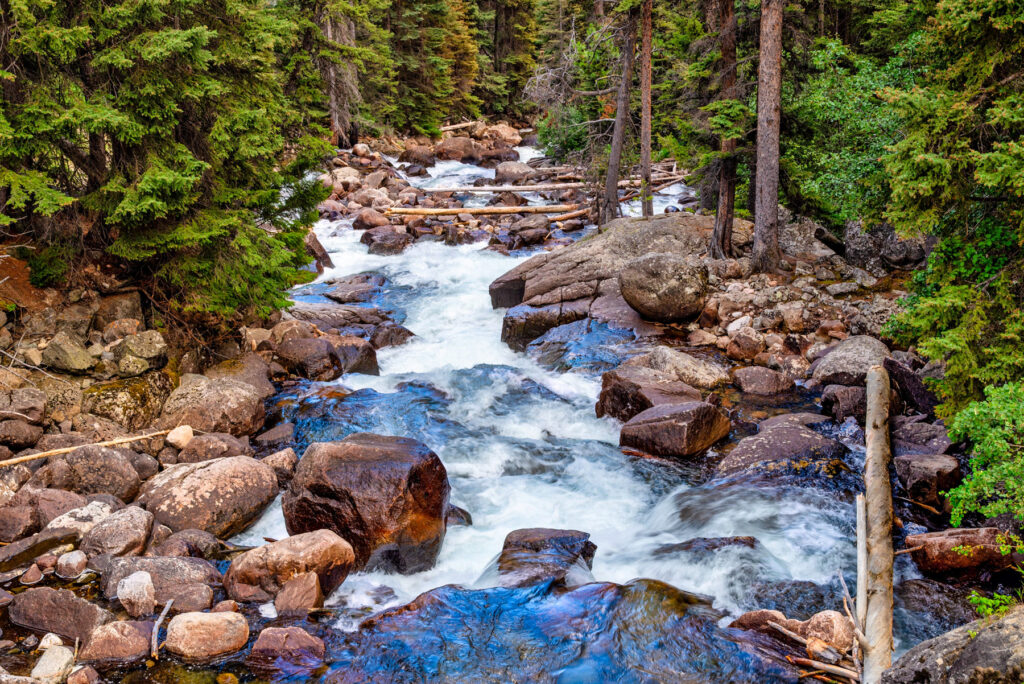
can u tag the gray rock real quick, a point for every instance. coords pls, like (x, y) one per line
(214, 405)
(989, 651)
(67, 354)
(137, 593)
(123, 533)
(665, 287)
(849, 361)
(511, 171)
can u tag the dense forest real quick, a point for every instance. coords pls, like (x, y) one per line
(178, 143)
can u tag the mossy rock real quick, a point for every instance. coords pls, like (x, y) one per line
(132, 403)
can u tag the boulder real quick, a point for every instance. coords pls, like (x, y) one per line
(123, 533)
(201, 637)
(137, 594)
(535, 555)
(523, 324)
(745, 344)
(27, 403)
(909, 437)
(290, 649)
(664, 287)
(675, 429)
(133, 403)
(385, 495)
(842, 402)
(786, 448)
(813, 421)
(136, 354)
(221, 496)
(19, 434)
(43, 609)
(320, 255)
(249, 368)
(54, 666)
(761, 381)
(849, 361)
(118, 306)
(299, 595)
(188, 543)
(90, 470)
(82, 518)
(258, 574)
(679, 366)
(420, 155)
(214, 445)
(511, 172)
(311, 358)
(168, 574)
(925, 477)
(65, 353)
(961, 552)
(279, 434)
(503, 132)
(190, 598)
(626, 391)
(458, 149)
(121, 328)
(989, 650)
(118, 644)
(214, 405)
(368, 219)
(386, 240)
(356, 354)
(283, 462)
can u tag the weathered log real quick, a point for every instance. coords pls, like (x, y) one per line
(878, 503)
(579, 213)
(68, 450)
(455, 127)
(479, 211)
(825, 236)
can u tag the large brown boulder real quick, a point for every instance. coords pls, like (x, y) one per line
(118, 643)
(221, 496)
(168, 574)
(626, 391)
(249, 368)
(259, 574)
(386, 496)
(961, 552)
(458, 149)
(214, 405)
(312, 358)
(201, 637)
(417, 154)
(675, 429)
(511, 171)
(122, 533)
(214, 445)
(57, 610)
(665, 287)
(762, 381)
(90, 470)
(356, 354)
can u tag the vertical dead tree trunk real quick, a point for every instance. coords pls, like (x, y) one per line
(878, 495)
(721, 236)
(769, 93)
(610, 210)
(332, 86)
(646, 31)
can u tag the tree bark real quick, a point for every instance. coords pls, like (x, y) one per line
(769, 92)
(647, 37)
(721, 236)
(610, 210)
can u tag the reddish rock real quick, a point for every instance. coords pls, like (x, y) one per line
(311, 358)
(123, 533)
(762, 381)
(188, 543)
(214, 405)
(57, 610)
(368, 219)
(259, 574)
(214, 445)
(167, 574)
(675, 429)
(284, 463)
(299, 595)
(626, 391)
(289, 648)
(118, 643)
(961, 552)
(460, 149)
(842, 402)
(386, 495)
(201, 637)
(221, 496)
(189, 598)
(90, 470)
(745, 345)
(357, 355)
(534, 555)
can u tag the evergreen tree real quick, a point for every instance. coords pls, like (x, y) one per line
(158, 131)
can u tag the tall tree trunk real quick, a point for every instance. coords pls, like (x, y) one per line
(646, 31)
(769, 93)
(610, 210)
(721, 236)
(821, 18)
(332, 86)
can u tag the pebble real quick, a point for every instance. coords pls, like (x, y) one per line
(32, 576)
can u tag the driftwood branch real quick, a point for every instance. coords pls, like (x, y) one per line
(153, 645)
(455, 127)
(68, 450)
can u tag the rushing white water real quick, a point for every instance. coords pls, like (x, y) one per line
(525, 449)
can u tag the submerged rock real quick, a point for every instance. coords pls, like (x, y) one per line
(386, 496)
(291, 649)
(534, 555)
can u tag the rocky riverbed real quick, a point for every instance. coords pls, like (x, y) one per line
(476, 450)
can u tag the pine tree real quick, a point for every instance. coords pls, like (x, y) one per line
(158, 131)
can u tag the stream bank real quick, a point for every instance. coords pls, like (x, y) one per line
(409, 344)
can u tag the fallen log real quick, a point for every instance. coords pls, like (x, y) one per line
(484, 189)
(68, 450)
(878, 504)
(824, 236)
(455, 127)
(579, 213)
(481, 211)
